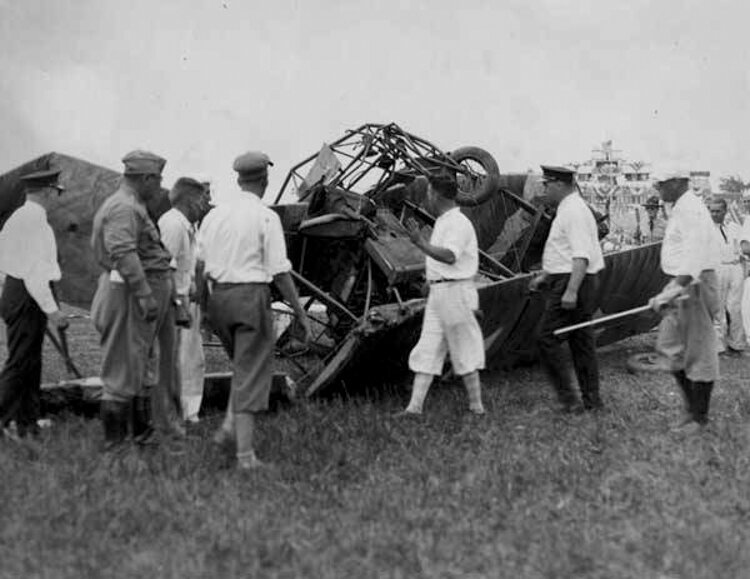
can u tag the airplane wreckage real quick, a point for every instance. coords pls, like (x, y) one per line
(362, 278)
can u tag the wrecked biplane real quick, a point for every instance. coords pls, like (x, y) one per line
(351, 253)
(343, 210)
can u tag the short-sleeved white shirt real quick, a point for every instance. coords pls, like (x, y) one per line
(572, 235)
(242, 242)
(454, 231)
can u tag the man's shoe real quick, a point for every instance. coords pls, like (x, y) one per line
(594, 406)
(224, 439)
(406, 414)
(688, 428)
(571, 408)
(254, 464)
(477, 411)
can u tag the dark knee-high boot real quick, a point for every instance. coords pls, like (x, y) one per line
(141, 419)
(115, 417)
(688, 391)
(702, 393)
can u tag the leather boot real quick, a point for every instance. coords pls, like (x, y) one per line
(702, 394)
(687, 390)
(115, 417)
(141, 420)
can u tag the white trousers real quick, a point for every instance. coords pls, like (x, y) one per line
(746, 307)
(191, 365)
(729, 325)
(449, 326)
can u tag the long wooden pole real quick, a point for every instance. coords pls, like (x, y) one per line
(602, 320)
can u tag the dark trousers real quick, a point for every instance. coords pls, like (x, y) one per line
(582, 342)
(22, 374)
(241, 316)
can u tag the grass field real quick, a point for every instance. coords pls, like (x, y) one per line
(522, 492)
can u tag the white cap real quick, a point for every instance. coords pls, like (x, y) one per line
(674, 175)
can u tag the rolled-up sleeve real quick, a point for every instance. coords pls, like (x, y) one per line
(275, 247)
(120, 238)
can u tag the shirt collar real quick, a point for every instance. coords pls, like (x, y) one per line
(567, 199)
(182, 218)
(687, 197)
(133, 193)
(449, 212)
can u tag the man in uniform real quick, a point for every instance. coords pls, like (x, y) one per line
(571, 260)
(133, 304)
(690, 253)
(241, 244)
(28, 258)
(177, 229)
(731, 278)
(652, 227)
(450, 323)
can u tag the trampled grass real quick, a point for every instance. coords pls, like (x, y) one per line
(522, 492)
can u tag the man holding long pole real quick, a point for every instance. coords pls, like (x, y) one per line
(690, 253)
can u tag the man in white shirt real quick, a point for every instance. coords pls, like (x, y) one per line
(28, 258)
(177, 230)
(241, 244)
(450, 324)
(691, 254)
(731, 278)
(571, 260)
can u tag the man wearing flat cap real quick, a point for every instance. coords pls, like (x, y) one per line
(571, 260)
(241, 244)
(690, 255)
(28, 258)
(133, 304)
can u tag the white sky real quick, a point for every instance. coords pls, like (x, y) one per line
(200, 81)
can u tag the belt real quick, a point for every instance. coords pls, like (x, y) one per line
(446, 280)
(228, 284)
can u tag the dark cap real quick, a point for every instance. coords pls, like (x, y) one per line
(45, 178)
(653, 201)
(252, 164)
(552, 173)
(143, 163)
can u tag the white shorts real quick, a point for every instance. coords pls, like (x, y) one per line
(449, 326)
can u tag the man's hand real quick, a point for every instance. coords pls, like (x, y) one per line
(149, 307)
(58, 319)
(671, 292)
(537, 282)
(415, 233)
(569, 299)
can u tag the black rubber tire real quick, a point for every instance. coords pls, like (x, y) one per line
(489, 185)
(647, 362)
